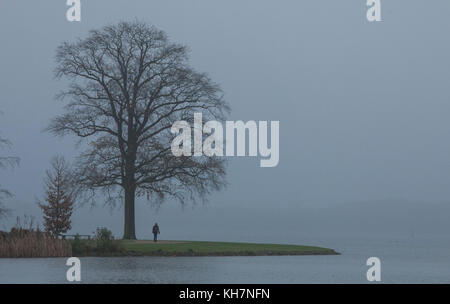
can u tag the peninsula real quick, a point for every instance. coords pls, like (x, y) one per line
(198, 248)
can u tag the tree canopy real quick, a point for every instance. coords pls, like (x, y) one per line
(128, 85)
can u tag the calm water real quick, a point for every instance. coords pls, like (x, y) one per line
(403, 261)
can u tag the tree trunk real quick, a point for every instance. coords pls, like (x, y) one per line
(130, 187)
(129, 229)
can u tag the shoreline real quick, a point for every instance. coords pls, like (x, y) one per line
(184, 248)
(186, 254)
(219, 254)
(205, 248)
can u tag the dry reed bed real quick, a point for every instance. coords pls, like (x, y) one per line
(29, 243)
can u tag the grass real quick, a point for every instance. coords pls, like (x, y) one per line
(28, 243)
(196, 248)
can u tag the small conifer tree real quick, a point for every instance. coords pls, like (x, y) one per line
(59, 198)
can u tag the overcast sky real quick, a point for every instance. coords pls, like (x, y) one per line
(363, 108)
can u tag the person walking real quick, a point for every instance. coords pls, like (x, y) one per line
(155, 232)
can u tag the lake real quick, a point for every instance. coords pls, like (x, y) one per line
(403, 260)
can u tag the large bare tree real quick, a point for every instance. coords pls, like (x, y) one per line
(129, 84)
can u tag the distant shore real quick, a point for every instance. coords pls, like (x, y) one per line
(197, 248)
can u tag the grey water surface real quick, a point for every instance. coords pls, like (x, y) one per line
(404, 260)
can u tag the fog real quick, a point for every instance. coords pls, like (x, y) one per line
(363, 110)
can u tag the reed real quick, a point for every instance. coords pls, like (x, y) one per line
(32, 243)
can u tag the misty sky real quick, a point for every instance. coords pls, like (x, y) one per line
(363, 108)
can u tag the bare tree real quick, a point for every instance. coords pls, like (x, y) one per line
(5, 162)
(59, 197)
(129, 84)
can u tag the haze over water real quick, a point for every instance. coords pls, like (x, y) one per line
(364, 142)
(403, 261)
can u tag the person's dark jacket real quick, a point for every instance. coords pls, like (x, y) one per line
(155, 229)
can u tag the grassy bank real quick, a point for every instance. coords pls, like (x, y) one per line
(195, 248)
(21, 243)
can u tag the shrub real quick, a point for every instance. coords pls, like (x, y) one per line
(81, 247)
(103, 244)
